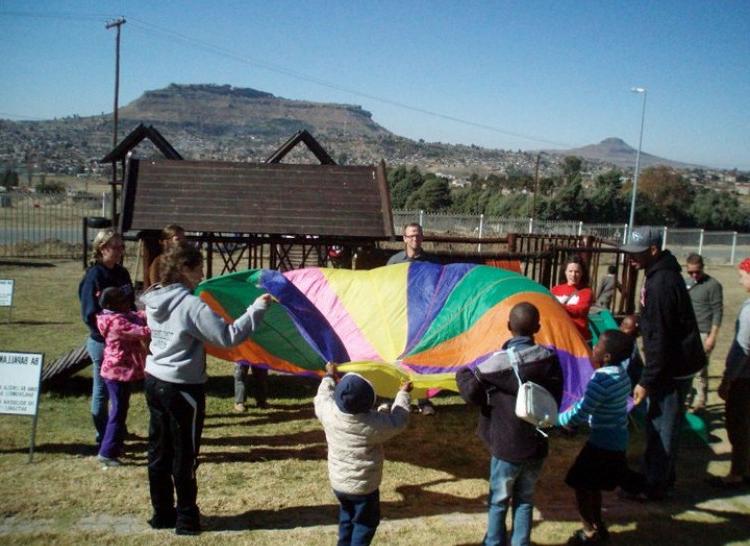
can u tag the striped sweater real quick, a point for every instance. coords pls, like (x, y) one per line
(605, 407)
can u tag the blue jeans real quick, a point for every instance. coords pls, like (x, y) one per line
(99, 395)
(511, 481)
(260, 377)
(359, 516)
(664, 418)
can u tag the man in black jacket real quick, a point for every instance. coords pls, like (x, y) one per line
(518, 449)
(673, 352)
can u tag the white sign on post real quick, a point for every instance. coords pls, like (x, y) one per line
(6, 293)
(20, 376)
(19, 382)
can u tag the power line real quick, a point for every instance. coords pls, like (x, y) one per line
(58, 15)
(223, 52)
(218, 50)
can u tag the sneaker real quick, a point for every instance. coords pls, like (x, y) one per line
(163, 521)
(239, 407)
(188, 528)
(580, 538)
(385, 407)
(108, 461)
(426, 408)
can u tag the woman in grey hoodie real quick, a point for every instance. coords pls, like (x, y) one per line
(175, 377)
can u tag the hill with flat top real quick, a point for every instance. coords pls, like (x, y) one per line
(221, 122)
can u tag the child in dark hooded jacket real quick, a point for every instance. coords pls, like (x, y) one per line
(355, 433)
(518, 449)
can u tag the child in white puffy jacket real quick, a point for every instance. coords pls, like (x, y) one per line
(355, 433)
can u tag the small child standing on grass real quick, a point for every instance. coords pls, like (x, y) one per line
(629, 326)
(601, 464)
(125, 335)
(355, 433)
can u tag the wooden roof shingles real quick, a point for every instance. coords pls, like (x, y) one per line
(258, 198)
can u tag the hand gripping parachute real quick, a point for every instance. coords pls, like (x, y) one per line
(417, 321)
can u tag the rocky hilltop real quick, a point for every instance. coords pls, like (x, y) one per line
(242, 124)
(223, 108)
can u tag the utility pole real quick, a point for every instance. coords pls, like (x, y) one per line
(117, 23)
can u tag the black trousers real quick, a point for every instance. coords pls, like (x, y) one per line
(738, 425)
(175, 428)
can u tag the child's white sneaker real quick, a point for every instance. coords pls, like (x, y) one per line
(107, 461)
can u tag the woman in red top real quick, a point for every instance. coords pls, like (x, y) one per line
(575, 295)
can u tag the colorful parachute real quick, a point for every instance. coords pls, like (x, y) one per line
(416, 320)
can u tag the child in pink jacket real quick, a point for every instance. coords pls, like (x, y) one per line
(125, 335)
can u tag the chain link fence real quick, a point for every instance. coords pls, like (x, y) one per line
(718, 247)
(722, 247)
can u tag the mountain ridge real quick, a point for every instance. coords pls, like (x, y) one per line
(222, 122)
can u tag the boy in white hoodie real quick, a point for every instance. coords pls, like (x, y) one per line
(355, 433)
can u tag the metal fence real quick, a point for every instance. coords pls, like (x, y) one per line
(46, 225)
(723, 247)
(49, 225)
(718, 247)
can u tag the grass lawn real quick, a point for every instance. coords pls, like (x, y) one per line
(263, 479)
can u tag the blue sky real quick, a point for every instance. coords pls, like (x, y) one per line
(513, 75)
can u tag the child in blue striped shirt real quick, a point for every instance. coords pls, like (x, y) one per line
(601, 464)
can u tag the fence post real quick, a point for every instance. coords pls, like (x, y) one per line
(481, 231)
(625, 234)
(664, 238)
(531, 226)
(700, 243)
(104, 204)
(421, 218)
(580, 228)
(734, 248)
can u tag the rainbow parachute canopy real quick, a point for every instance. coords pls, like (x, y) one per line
(417, 321)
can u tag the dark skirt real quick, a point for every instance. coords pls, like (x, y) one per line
(600, 469)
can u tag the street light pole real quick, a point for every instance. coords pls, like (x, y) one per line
(642, 91)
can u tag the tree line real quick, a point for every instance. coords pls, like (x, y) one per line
(664, 197)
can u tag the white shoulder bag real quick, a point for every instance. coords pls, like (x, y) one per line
(534, 403)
